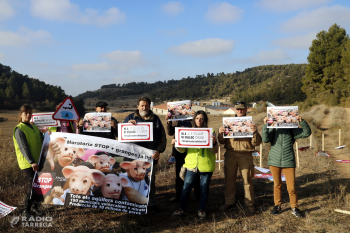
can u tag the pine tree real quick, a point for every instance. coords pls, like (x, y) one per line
(26, 92)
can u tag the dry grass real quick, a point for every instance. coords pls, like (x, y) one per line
(321, 188)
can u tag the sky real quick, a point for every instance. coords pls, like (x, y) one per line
(81, 45)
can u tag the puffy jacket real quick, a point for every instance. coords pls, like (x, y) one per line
(282, 140)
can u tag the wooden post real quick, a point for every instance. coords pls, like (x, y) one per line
(342, 211)
(261, 154)
(219, 159)
(296, 145)
(323, 142)
(339, 136)
(311, 141)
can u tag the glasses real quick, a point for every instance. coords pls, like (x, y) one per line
(240, 102)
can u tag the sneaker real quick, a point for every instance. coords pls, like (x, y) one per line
(174, 199)
(225, 207)
(201, 214)
(154, 208)
(178, 212)
(276, 210)
(296, 212)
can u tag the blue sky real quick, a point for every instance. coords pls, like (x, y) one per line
(81, 45)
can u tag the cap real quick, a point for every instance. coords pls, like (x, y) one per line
(101, 103)
(240, 105)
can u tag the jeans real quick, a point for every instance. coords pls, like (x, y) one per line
(188, 185)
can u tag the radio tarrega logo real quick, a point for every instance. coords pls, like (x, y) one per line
(37, 221)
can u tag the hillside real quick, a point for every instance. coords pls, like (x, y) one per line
(280, 84)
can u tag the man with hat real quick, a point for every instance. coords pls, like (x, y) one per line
(101, 106)
(238, 155)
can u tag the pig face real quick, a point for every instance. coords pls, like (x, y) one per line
(294, 113)
(81, 178)
(67, 154)
(285, 114)
(136, 169)
(288, 119)
(101, 162)
(107, 119)
(113, 185)
(280, 119)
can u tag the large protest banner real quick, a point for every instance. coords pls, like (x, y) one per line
(282, 117)
(180, 110)
(238, 127)
(93, 172)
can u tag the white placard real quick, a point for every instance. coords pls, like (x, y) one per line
(140, 132)
(238, 127)
(5, 209)
(45, 120)
(282, 117)
(193, 137)
(180, 110)
(97, 122)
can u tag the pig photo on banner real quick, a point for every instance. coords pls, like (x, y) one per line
(92, 172)
(238, 127)
(282, 117)
(97, 122)
(180, 110)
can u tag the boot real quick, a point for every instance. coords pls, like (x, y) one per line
(27, 207)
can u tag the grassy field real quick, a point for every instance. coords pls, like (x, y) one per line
(322, 186)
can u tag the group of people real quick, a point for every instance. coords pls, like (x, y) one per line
(194, 166)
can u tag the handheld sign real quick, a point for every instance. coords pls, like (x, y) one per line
(193, 137)
(180, 110)
(282, 117)
(97, 122)
(322, 153)
(66, 111)
(45, 120)
(128, 132)
(238, 127)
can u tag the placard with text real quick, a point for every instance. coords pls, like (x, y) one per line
(128, 132)
(282, 117)
(238, 127)
(180, 110)
(193, 137)
(45, 120)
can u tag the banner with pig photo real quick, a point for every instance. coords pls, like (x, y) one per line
(97, 122)
(85, 171)
(282, 117)
(180, 110)
(238, 127)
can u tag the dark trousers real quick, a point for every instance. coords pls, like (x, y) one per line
(179, 183)
(29, 178)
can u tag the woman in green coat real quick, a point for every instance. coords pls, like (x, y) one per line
(28, 141)
(282, 157)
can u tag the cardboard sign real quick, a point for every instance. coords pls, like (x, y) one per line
(180, 110)
(340, 147)
(128, 132)
(238, 127)
(303, 148)
(66, 111)
(45, 120)
(322, 153)
(268, 176)
(343, 161)
(5, 209)
(261, 169)
(193, 137)
(91, 176)
(256, 154)
(97, 122)
(282, 117)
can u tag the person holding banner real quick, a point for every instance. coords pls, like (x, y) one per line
(144, 114)
(238, 155)
(28, 141)
(101, 106)
(200, 165)
(282, 157)
(180, 159)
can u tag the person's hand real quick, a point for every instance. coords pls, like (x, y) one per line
(132, 122)
(173, 142)
(156, 155)
(35, 167)
(222, 129)
(114, 124)
(214, 139)
(80, 123)
(57, 192)
(299, 118)
(166, 117)
(265, 120)
(253, 127)
(49, 132)
(54, 149)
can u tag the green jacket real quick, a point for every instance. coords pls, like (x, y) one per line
(34, 141)
(282, 140)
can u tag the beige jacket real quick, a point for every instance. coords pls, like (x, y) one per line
(240, 145)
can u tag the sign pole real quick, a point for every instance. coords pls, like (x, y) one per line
(219, 158)
(339, 136)
(261, 154)
(296, 145)
(323, 142)
(311, 141)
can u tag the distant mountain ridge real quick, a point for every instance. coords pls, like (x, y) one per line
(280, 84)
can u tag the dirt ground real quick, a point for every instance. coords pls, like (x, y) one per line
(322, 186)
